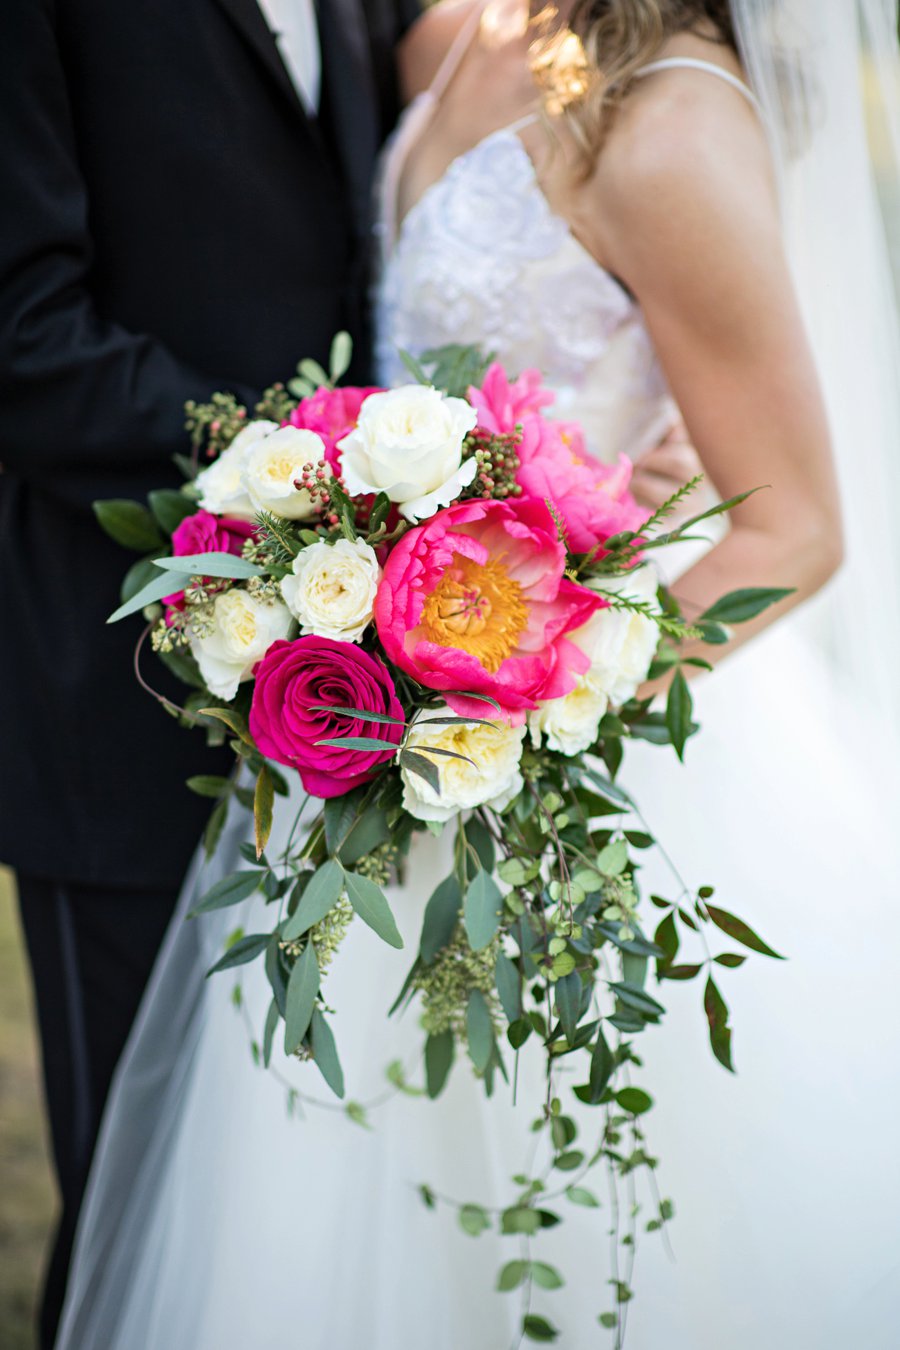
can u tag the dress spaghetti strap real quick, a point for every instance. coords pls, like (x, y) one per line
(456, 51)
(691, 63)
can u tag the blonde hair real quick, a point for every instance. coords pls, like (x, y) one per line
(585, 70)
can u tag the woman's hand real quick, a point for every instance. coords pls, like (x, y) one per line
(660, 472)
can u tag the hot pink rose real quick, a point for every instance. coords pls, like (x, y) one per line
(476, 600)
(205, 533)
(332, 414)
(592, 499)
(291, 680)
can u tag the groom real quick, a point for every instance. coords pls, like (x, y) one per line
(186, 189)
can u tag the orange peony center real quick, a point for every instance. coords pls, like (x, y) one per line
(478, 608)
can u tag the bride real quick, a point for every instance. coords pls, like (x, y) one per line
(608, 211)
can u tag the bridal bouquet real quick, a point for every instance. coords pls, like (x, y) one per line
(433, 606)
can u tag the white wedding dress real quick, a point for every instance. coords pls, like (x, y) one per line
(216, 1221)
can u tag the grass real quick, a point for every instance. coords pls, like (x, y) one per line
(27, 1196)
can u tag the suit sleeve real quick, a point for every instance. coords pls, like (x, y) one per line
(77, 392)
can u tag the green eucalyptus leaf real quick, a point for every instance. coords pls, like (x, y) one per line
(479, 1030)
(129, 524)
(742, 605)
(320, 894)
(603, 1065)
(482, 910)
(240, 952)
(231, 890)
(263, 809)
(370, 903)
(439, 1050)
(216, 564)
(273, 1017)
(324, 1051)
(440, 919)
(340, 356)
(509, 987)
(679, 706)
(208, 785)
(302, 991)
(150, 594)
(568, 1003)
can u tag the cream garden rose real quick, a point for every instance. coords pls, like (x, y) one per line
(569, 724)
(332, 589)
(221, 486)
(408, 443)
(244, 628)
(492, 779)
(271, 467)
(621, 644)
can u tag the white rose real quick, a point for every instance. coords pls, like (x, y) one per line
(245, 629)
(333, 587)
(221, 488)
(621, 644)
(271, 466)
(571, 723)
(492, 779)
(408, 443)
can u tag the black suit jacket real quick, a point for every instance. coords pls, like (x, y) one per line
(172, 223)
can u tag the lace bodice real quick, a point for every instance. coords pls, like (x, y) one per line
(482, 258)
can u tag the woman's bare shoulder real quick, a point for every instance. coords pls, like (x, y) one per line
(426, 44)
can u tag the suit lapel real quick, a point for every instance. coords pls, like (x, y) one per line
(351, 94)
(247, 18)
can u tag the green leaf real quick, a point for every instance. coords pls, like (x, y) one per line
(610, 1320)
(613, 859)
(440, 919)
(518, 1032)
(208, 785)
(139, 575)
(716, 1010)
(518, 871)
(473, 1219)
(739, 606)
(740, 931)
(438, 1062)
(357, 1113)
(512, 1275)
(324, 1051)
(509, 987)
(479, 1030)
(340, 356)
(312, 371)
(231, 890)
(679, 706)
(570, 1161)
(263, 808)
(482, 910)
(321, 894)
(370, 903)
(422, 766)
(520, 1219)
(358, 715)
(302, 990)
(129, 524)
(568, 1003)
(731, 960)
(580, 1195)
(232, 720)
(634, 1100)
(214, 827)
(358, 743)
(680, 972)
(546, 1277)
(537, 1328)
(170, 508)
(151, 594)
(273, 1017)
(216, 564)
(666, 937)
(635, 997)
(479, 838)
(603, 1065)
(240, 952)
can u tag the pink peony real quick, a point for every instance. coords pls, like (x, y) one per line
(592, 499)
(332, 414)
(476, 600)
(291, 680)
(205, 533)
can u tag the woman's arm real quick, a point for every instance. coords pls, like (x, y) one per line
(688, 218)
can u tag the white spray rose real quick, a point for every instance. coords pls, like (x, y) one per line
(570, 724)
(221, 487)
(272, 465)
(332, 589)
(408, 443)
(492, 779)
(244, 630)
(621, 644)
